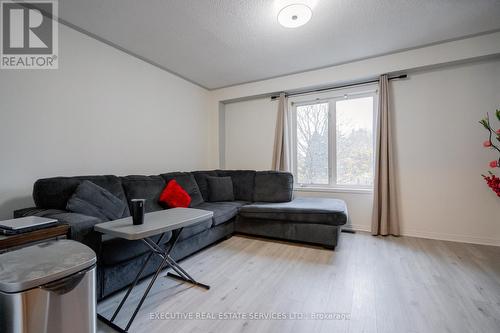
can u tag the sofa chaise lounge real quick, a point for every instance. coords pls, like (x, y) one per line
(263, 205)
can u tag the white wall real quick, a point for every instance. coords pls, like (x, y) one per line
(101, 112)
(438, 145)
(477, 47)
(249, 134)
(440, 157)
(104, 111)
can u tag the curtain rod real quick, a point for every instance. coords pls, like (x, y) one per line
(402, 76)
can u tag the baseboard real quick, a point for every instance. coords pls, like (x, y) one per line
(357, 227)
(435, 235)
(452, 237)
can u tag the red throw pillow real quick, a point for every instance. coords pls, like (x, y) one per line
(175, 196)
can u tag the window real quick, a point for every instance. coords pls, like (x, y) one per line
(312, 143)
(333, 139)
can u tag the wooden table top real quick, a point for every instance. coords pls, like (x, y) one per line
(33, 236)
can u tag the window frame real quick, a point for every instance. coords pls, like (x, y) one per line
(331, 98)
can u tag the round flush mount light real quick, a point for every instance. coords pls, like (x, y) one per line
(293, 16)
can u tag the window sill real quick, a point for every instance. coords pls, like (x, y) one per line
(334, 190)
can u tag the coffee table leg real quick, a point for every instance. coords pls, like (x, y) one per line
(160, 267)
(167, 261)
(132, 286)
(164, 254)
(183, 275)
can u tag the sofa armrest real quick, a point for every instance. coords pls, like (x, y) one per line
(35, 211)
(81, 228)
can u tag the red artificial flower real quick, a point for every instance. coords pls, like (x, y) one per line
(494, 183)
(493, 164)
(498, 131)
(487, 143)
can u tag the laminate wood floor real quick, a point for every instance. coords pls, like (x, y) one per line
(368, 284)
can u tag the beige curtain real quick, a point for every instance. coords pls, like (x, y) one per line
(281, 151)
(385, 214)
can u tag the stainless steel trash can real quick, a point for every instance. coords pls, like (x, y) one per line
(48, 288)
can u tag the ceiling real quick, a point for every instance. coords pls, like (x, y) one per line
(217, 43)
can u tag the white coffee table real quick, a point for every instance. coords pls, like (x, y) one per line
(156, 223)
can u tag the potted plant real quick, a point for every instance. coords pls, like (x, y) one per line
(492, 143)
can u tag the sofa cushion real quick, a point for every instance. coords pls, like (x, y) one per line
(196, 229)
(273, 186)
(243, 183)
(117, 250)
(201, 180)
(188, 183)
(55, 192)
(223, 211)
(220, 189)
(300, 210)
(92, 200)
(144, 187)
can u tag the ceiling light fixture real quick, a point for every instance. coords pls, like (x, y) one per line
(293, 16)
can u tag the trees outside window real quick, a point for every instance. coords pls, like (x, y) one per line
(334, 141)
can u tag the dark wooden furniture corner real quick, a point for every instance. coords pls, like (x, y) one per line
(13, 241)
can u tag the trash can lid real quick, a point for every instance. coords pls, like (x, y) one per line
(42, 263)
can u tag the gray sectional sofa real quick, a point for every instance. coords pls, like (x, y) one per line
(263, 206)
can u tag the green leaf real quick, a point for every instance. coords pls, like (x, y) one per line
(485, 123)
(498, 114)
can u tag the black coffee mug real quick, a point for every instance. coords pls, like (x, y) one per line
(138, 211)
